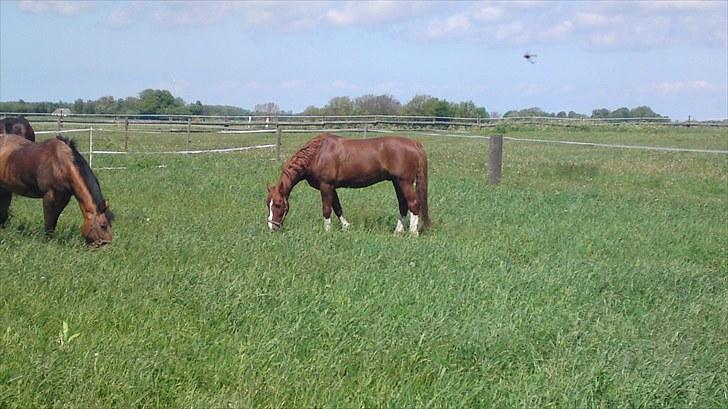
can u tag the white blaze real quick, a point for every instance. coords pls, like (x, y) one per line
(270, 215)
(400, 226)
(414, 220)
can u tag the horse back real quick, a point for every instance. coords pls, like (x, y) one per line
(362, 162)
(18, 126)
(31, 169)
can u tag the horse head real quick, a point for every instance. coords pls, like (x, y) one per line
(96, 228)
(277, 207)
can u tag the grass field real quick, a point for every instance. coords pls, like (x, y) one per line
(590, 277)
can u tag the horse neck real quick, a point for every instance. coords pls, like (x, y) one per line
(296, 168)
(83, 195)
(288, 180)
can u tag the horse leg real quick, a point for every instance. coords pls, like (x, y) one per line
(5, 197)
(412, 205)
(339, 212)
(327, 198)
(402, 207)
(53, 205)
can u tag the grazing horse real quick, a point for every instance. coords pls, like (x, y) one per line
(328, 162)
(18, 126)
(53, 170)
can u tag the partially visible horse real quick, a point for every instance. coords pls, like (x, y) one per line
(18, 126)
(328, 162)
(53, 170)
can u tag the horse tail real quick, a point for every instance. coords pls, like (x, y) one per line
(421, 184)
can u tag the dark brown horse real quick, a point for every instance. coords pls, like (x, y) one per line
(53, 170)
(328, 162)
(18, 126)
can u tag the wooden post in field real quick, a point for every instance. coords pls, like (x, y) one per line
(126, 134)
(60, 122)
(496, 159)
(189, 125)
(278, 142)
(366, 129)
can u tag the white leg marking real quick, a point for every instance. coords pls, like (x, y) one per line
(270, 215)
(344, 223)
(414, 220)
(327, 224)
(400, 226)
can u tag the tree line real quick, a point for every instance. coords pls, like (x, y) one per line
(148, 102)
(601, 113)
(162, 102)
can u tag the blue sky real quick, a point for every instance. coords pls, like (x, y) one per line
(669, 55)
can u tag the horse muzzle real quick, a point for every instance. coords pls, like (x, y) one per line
(274, 225)
(99, 243)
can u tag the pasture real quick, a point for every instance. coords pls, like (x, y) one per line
(589, 277)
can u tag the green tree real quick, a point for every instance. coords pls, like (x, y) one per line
(312, 111)
(620, 113)
(600, 113)
(156, 101)
(377, 105)
(418, 105)
(339, 106)
(642, 112)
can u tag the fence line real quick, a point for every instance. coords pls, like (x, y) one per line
(221, 150)
(618, 146)
(323, 120)
(62, 131)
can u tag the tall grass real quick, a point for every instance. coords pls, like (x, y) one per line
(588, 278)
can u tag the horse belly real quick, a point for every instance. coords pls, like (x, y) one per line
(21, 189)
(362, 179)
(18, 185)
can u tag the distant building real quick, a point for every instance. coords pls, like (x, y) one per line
(62, 112)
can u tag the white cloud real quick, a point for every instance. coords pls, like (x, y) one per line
(487, 13)
(291, 84)
(677, 87)
(193, 13)
(588, 19)
(680, 5)
(62, 8)
(454, 26)
(372, 12)
(559, 31)
(624, 25)
(344, 85)
(530, 90)
(119, 18)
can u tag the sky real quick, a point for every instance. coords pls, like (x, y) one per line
(669, 55)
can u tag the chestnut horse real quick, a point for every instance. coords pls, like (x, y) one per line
(328, 162)
(53, 170)
(18, 126)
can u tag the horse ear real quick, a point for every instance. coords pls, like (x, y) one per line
(105, 206)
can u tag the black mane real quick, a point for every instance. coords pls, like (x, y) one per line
(89, 178)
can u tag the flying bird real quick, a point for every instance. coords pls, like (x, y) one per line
(530, 57)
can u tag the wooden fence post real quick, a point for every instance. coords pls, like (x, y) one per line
(189, 125)
(126, 134)
(496, 159)
(278, 142)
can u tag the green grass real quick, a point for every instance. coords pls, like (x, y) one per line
(589, 278)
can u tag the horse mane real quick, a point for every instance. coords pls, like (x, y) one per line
(92, 183)
(300, 161)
